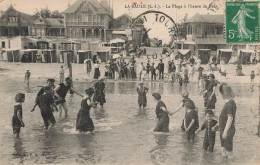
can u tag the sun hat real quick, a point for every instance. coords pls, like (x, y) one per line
(157, 96)
(211, 75)
(50, 80)
(226, 91)
(141, 82)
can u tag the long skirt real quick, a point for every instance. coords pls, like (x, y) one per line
(84, 123)
(96, 73)
(210, 104)
(163, 123)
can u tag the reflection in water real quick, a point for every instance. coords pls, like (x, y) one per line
(142, 113)
(19, 150)
(158, 154)
(160, 87)
(86, 151)
(99, 113)
(153, 86)
(50, 144)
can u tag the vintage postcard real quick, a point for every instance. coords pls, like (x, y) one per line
(118, 82)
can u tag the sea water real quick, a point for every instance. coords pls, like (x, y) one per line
(123, 134)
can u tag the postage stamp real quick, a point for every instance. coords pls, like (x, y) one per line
(242, 22)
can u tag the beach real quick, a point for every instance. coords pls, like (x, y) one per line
(123, 133)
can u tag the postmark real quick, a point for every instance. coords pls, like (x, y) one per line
(158, 26)
(242, 22)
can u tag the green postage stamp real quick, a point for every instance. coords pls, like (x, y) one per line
(242, 22)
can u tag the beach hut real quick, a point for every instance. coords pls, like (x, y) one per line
(28, 55)
(204, 55)
(83, 55)
(117, 42)
(71, 55)
(10, 55)
(43, 43)
(48, 56)
(224, 54)
(103, 53)
(244, 56)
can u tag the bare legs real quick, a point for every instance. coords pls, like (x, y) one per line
(63, 106)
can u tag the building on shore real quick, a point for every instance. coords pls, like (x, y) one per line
(120, 28)
(88, 20)
(47, 27)
(205, 38)
(14, 23)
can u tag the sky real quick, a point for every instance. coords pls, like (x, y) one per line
(119, 6)
(177, 9)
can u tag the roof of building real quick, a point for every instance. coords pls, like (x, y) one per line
(57, 22)
(26, 18)
(100, 8)
(209, 41)
(53, 22)
(198, 18)
(124, 15)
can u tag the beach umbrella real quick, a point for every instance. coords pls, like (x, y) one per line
(116, 56)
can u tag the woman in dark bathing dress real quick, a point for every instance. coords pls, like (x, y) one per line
(162, 114)
(84, 123)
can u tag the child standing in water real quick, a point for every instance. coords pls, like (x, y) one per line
(191, 121)
(62, 71)
(185, 100)
(27, 77)
(141, 90)
(17, 121)
(84, 123)
(210, 132)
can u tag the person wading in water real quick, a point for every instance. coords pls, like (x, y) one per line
(61, 91)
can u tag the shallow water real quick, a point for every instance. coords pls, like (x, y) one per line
(123, 134)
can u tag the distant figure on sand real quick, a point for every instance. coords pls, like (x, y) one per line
(252, 76)
(17, 120)
(27, 77)
(61, 91)
(84, 123)
(162, 114)
(97, 71)
(45, 101)
(161, 70)
(62, 71)
(210, 126)
(141, 90)
(153, 72)
(99, 95)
